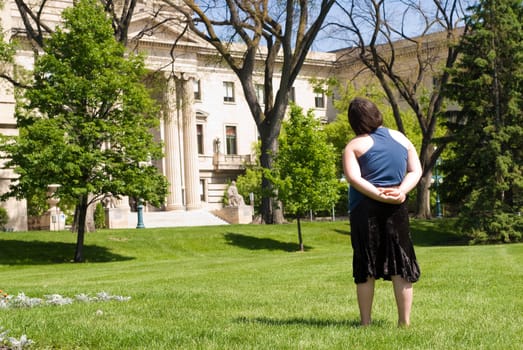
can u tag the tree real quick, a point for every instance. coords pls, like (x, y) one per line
(85, 122)
(251, 180)
(305, 168)
(284, 32)
(120, 12)
(374, 29)
(484, 169)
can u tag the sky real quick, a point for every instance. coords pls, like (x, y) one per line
(396, 12)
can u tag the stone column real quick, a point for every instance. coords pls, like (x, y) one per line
(190, 144)
(172, 146)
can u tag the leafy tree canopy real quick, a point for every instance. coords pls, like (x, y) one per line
(305, 167)
(85, 124)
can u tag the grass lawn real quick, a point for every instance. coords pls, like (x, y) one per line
(247, 287)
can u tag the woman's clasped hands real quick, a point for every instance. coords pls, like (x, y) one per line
(392, 195)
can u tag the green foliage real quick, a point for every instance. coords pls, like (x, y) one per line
(99, 216)
(305, 167)
(484, 168)
(7, 50)
(85, 122)
(4, 218)
(251, 181)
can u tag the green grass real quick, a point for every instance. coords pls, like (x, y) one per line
(247, 287)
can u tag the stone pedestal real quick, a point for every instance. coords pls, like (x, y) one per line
(116, 217)
(117, 213)
(53, 220)
(242, 214)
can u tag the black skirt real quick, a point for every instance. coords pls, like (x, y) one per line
(381, 241)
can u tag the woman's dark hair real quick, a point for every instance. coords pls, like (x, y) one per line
(364, 116)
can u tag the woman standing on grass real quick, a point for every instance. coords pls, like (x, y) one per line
(382, 167)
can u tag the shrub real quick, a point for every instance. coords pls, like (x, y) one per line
(4, 218)
(99, 216)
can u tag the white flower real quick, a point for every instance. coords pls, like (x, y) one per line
(83, 297)
(57, 299)
(2, 335)
(103, 296)
(19, 344)
(21, 300)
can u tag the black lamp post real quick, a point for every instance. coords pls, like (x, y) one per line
(437, 179)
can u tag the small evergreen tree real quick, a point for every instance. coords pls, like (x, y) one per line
(484, 171)
(99, 216)
(305, 167)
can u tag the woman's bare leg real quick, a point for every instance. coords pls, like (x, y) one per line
(403, 292)
(365, 293)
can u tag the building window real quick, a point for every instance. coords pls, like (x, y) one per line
(228, 87)
(199, 137)
(230, 139)
(319, 100)
(197, 90)
(260, 93)
(292, 95)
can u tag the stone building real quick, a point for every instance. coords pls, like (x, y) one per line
(208, 137)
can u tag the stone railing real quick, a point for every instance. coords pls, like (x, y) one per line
(231, 161)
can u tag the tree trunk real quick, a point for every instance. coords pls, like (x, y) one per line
(82, 213)
(300, 238)
(89, 225)
(271, 210)
(423, 197)
(89, 216)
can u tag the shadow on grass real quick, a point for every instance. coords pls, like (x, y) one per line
(255, 243)
(437, 232)
(13, 252)
(427, 232)
(309, 322)
(343, 232)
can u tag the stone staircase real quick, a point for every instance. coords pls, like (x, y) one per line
(155, 219)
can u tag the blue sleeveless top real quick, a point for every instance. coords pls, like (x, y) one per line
(383, 165)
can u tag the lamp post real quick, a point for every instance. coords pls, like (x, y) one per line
(139, 211)
(437, 179)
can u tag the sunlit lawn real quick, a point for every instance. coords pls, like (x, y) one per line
(247, 287)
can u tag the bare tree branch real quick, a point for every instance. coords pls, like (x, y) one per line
(383, 42)
(273, 32)
(34, 26)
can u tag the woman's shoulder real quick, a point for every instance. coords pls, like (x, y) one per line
(360, 144)
(400, 138)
